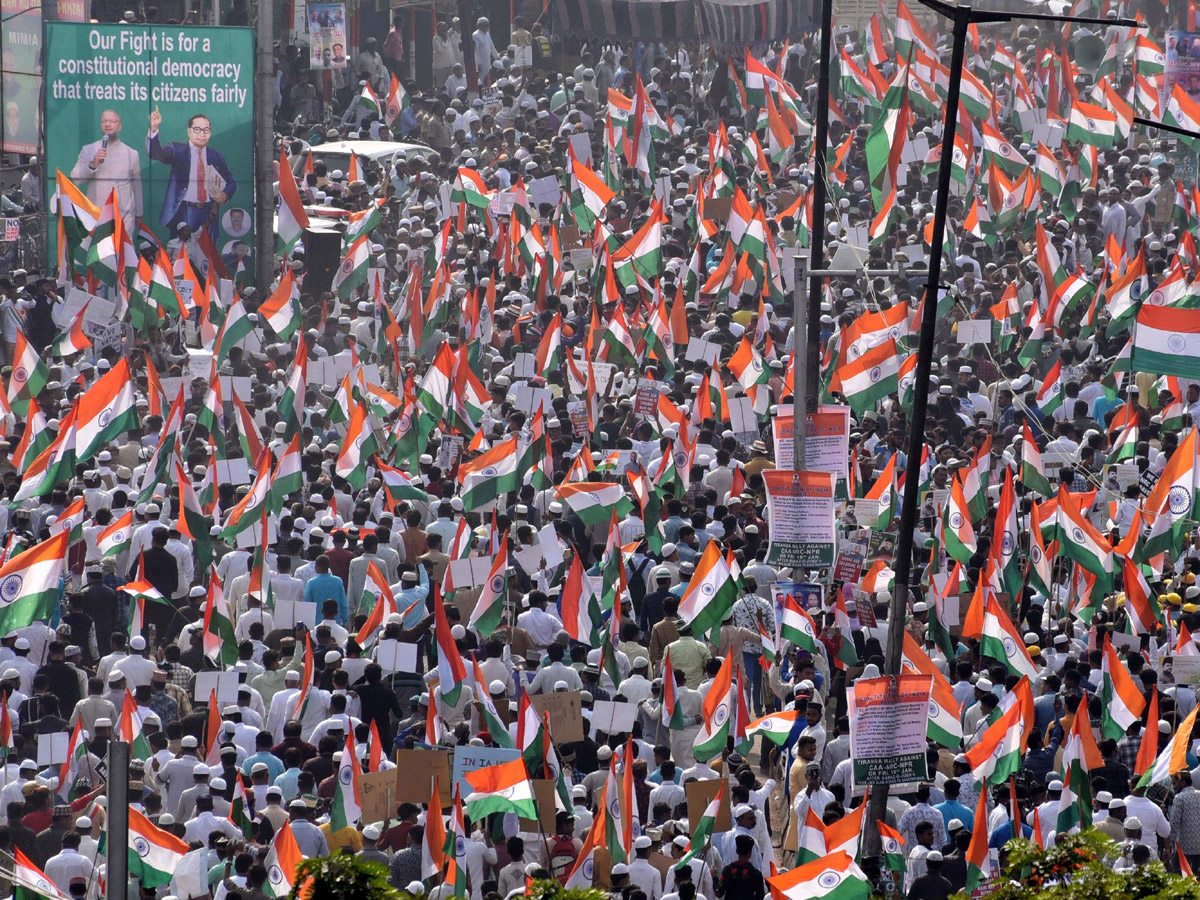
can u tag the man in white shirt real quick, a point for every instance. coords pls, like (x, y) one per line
(541, 625)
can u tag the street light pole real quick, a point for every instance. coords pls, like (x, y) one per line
(816, 257)
(962, 18)
(264, 141)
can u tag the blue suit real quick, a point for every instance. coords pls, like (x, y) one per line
(174, 210)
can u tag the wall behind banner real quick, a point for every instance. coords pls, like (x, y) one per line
(180, 72)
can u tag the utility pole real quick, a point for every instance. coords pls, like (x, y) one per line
(264, 142)
(118, 817)
(816, 257)
(962, 18)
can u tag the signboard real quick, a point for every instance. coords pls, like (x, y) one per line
(414, 773)
(379, 793)
(646, 401)
(800, 507)
(566, 714)
(12, 230)
(471, 759)
(327, 36)
(700, 794)
(22, 47)
(165, 91)
(1180, 670)
(887, 729)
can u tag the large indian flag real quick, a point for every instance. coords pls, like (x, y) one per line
(282, 860)
(489, 475)
(154, 854)
(717, 713)
(29, 583)
(711, 592)
(836, 877)
(504, 788)
(998, 753)
(595, 501)
(1174, 756)
(1166, 341)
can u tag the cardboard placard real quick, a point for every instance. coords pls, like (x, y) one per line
(544, 190)
(527, 398)
(529, 558)
(525, 366)
(395, 656)
(52, 748)
(199, 363)
(225, 683)
(568, 235)
(717, 210)
(288, 613)
(648, 391)
(700, 794)
(566, 715)
(233, 471)
(171, 386)
(698, 348)
(414, 774)
(379, 795)
(975, 331)
(741, 416)
(613, 717)
(552, 548)
(470, 572)
(543, 795)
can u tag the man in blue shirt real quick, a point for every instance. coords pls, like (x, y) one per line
(326, 586)
(263, 754)
(950, 808)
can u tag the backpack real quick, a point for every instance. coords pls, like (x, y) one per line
(562, 857)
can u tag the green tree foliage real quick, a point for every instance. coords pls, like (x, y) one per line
(1080, 867)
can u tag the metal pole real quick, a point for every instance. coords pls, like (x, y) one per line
(916, 435)
(117, 817)
(816, 256)
(800, 375)
(264, 140)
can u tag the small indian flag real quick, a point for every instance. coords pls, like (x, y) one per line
(836, 877)
(711, 592)
(1174, 756)
(892, 844)
(470, 188)
(702, 833)
(32, 581)
(353, 270)
(117, 537)
(154, 854)
(1122, 701)
(500, 789)
(490, 607)
(29, 881)
(998, 753)
(281, 863)
(797, 626)
(347, 797)
(716, 711)
(595, 502)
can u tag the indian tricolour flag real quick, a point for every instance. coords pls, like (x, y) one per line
(504, 788)
(131, 729)
(1183, 112)
(347, 797)
(281, 310)
(835, 877)
(1166, 341)
(490, 607)
(702, 833)
(220, 643)
(470, 188)
(776, 728)
(711, 592)
(1121, 698)
(998, 753)
(944, 725)
(595, 502)
(31, 582)
(797, 626)
(154, 854)
(1092, 124)
(892, 845)
(281, 863)
(716, 712)
(29, 881)
(489, 475)
(353, 270)
(292, 219)
(117, 537)
(867, 380)
(957, 533)
(589, 194)
(1002, 641)
(358, 446)
(1080, 756)
(452, 674)
(434, 393)
(1173, 757)
(106, 411)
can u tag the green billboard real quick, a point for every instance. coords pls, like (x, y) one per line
(163, 115)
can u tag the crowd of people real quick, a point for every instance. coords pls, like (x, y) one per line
(284, 538)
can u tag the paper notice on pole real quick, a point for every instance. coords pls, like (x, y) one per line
(52, 748)
(887, 729)
(225, 684)
(233, 471)
(826, 445)
(525, 366)
(449, 451)
(698, 349)
(544, 191)
(613, 718)
(470, 572)
(975, 331)
(395, 656)
(800, 510)
(552, 550)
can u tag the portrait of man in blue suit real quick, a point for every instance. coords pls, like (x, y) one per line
(200, 180)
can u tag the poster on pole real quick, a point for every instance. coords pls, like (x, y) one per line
(826, 444)
(22, 44)
(887, 729)
(131, 108)
(327, 36)
(800, 511)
